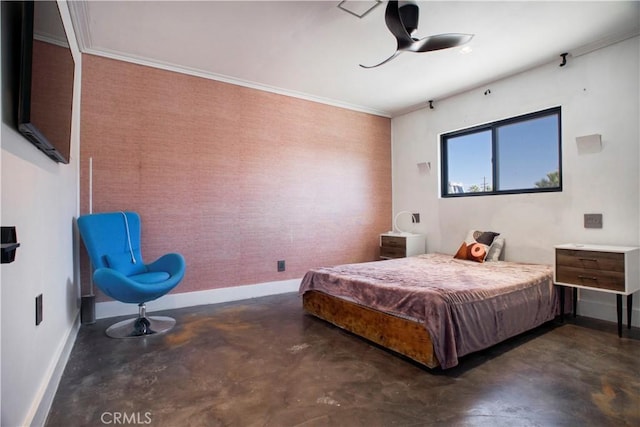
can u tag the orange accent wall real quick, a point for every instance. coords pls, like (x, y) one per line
(231, 177)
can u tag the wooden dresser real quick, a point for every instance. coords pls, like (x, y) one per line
(400, 245)
(613, 269)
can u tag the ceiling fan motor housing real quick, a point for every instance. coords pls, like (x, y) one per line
(409, 14)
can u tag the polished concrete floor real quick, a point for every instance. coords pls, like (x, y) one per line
(264, 362)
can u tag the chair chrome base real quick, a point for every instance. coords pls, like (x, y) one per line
(140, 326)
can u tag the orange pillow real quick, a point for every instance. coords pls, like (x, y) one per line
(476, 246)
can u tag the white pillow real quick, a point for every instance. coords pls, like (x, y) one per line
(495, 250)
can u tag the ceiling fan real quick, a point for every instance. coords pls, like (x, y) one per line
(402, 21)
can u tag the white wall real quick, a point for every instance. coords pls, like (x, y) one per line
(598, 93)
(40, 198)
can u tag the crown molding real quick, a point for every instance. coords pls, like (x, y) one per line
(231, 80)
(606, 41)
(80, 21)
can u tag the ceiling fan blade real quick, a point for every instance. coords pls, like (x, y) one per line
(440, 41)
(395, 25)
(395, 17)
(396, 53)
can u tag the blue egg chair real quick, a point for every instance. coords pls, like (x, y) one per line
(113, 242)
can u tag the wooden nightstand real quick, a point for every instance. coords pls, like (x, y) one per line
(613, 269)
(400, 245)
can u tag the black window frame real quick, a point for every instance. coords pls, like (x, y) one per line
(493, 128)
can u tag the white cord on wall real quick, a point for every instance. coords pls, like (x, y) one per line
(126, 226)
(90, 185)
(90, 212)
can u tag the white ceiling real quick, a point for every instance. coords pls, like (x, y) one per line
(312, 49)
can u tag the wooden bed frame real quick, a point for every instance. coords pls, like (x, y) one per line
(409, 338)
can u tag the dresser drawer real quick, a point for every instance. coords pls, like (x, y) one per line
(392, 252)
(592, 260)
(592, 278)
(393, 242)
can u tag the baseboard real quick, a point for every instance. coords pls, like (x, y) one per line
(606, 310)
(37, 416)
(189, 299)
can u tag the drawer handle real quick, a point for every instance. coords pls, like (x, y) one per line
(587, 277)
(589, 259)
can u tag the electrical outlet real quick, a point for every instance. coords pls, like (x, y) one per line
(415, 218)
(281, 265)
(592, 220)
(38, 309)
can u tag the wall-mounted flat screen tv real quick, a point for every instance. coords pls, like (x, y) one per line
(45, 95)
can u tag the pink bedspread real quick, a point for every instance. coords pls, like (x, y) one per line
(465, 306)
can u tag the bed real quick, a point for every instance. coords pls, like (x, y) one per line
(432, 308)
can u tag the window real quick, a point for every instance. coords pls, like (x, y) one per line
(517, 155)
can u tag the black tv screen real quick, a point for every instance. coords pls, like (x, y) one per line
(45, 95)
